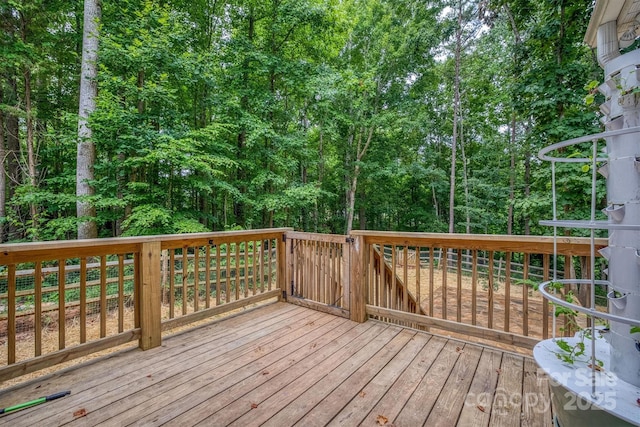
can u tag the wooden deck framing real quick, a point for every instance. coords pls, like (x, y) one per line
(284, 364)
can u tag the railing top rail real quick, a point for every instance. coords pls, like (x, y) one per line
(508, 243)
(30, 251)
(328, 238)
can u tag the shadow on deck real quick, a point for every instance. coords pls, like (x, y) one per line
(283, 364)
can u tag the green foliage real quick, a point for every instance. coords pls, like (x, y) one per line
(215, 115)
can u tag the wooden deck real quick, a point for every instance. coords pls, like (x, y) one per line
(283, 365)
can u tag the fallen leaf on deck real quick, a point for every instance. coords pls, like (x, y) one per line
(265, 373)
(480, 407)
(254, 405)
(80, 413)
(362, 394)
(499, 371)
(382, 420)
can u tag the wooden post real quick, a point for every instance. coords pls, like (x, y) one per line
(357, 285)
(149, 296)
(282, 270)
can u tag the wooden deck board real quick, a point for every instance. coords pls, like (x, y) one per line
(507, 402)
(360, 406)
(283, 365)
(161, 377)
(227, 390)
(333, 403)
(477, 408)
(390, 405)
(314, 369)
(424, 397)
(195, 380)
(451, 400)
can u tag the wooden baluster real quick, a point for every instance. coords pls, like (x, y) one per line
(245, 269)
(196, 278)
(444, 259)
(418, 285)
(103, 296)
(474, 287)
(254, 272)
(431, 279)
(405, 278)
(491, 296)
(172, 283)
(37, 324)
(207, 276)
(459, 287)
(330, 299)
(227, 297)
(218, 275)
(185, 278)
(61, 304)
(120, 293)
(394, 294)
(238, 282)
(507, 293)
(11, 314)
(525, 296)
(270, 260)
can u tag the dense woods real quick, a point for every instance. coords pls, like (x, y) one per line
(322, 115)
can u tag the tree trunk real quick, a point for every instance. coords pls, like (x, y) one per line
(512, 174)
(3, 177)
(465, 179)
(31, 155)
(351, 190)
(85, 209)
(14, 174)
(456, 112)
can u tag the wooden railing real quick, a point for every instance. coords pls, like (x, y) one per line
(318, 272)
(64, 300)
(498, 307)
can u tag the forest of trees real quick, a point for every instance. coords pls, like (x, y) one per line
(322, 115)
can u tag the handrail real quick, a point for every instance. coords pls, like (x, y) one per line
(578, 246)
(117, 290)
(148, 284)
(477, 299)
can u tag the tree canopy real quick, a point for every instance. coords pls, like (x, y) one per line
(322, 115)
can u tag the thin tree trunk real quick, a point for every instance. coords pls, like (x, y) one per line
(351, 192)
(527, 189)
(31, 155)
(13, 158)
(3, 176)
(512, 175)
(456, 112)
(85, 209)
(512, 145)
(465, 179)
